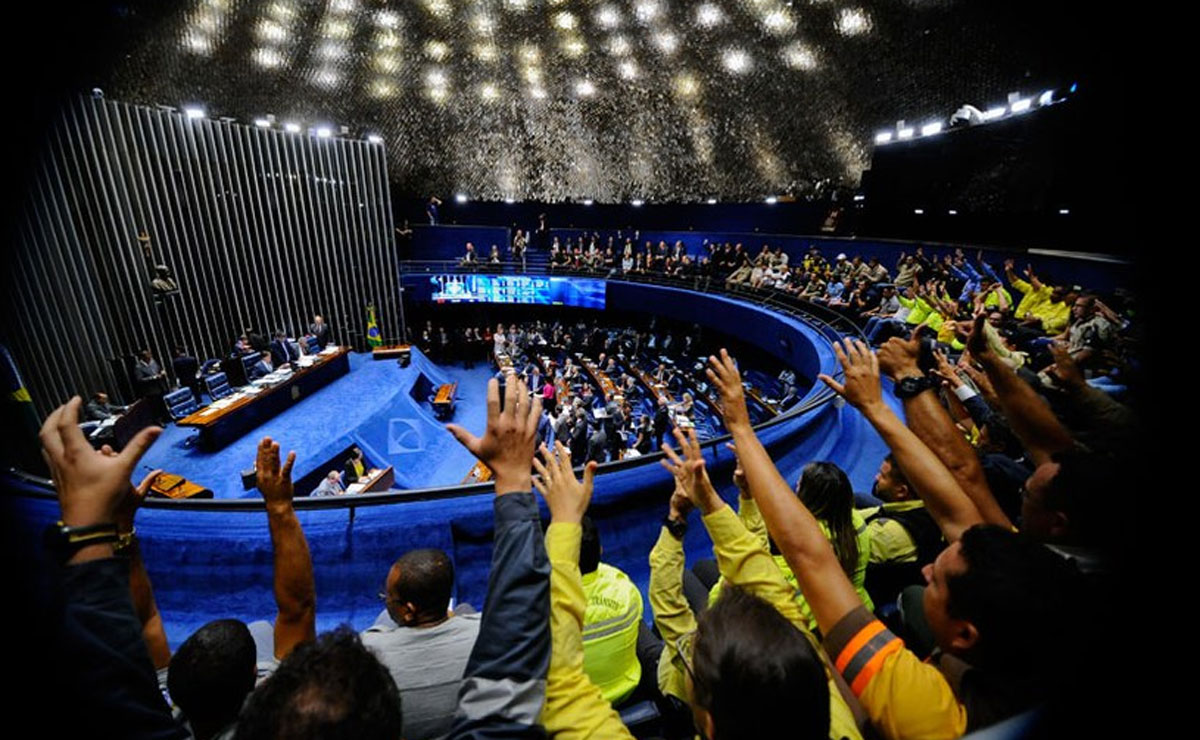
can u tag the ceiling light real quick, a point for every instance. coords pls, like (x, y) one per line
(798, 56)
(619, 45)
(952, 212)
(1064, 211)
(628, 70)
(636, 203)
(608, 17)
(585, 88)
(778, 21)
(667, 42)
(1046, 98)
(437, 50)
(565, 21)
(736, 60)
(375, 139)
(853, 21)
(919, 211)
(291, 128)
(930, 129)
(488, 91)
(711, 201)
(647, 10)
(387, 19)
(268, 58)
(587, 202)
(905, 133)
(1021, 106)
(686, 85)
(574, 47)
(538, 93)
(883, 137)
(461, 198)
(993, 113)
(771, 200)
(436, 78)
(708, 15)
(193, 112)
(324, 132)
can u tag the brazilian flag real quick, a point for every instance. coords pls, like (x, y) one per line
(374, 338)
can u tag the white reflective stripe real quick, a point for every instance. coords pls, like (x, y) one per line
(611, 626)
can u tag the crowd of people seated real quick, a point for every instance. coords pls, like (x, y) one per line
(964, 595)
(656, 375)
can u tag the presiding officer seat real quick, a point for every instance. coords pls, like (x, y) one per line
(218, 385)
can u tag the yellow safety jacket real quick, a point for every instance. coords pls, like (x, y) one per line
(610, 632)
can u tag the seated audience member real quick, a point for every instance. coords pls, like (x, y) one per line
(610, 623)
(826, 492)
(469, 257)
(1002, 608)
(356, 466)
(751, 671)
(331, 485)
(114, 635)
(900, 530)
(99, 408)
(331, 687)
(422, 644)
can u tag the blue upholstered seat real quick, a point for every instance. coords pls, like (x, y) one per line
(181, 403)
(218, 385)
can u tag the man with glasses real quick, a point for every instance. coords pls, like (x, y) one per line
(423, 645)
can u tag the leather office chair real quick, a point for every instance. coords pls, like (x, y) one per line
(218, 385)
(180, 403)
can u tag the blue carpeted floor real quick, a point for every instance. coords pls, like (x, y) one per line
(370, 407)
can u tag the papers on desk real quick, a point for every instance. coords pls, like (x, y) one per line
(356, 487)
(306, 361)
(329, 350)
(683, 422)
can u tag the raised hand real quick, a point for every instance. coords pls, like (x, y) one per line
(133, 497)
(945, 370)
(739, 474)
(860, 387)
(90, 483)
(690, 474)
(566, 497)
(274, 480)
(506, 446)
(1065, 370)
(723, 373)
(898, 358)
(977, 342)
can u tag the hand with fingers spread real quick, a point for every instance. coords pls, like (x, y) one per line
(680, 505)
(977, 343)
(274, 481)
(507, 444)
(860, 387)
(91, 484)
(899, 358)
(566, 497)
(1065, 370)
(723, 373)
(690, 474)
(945, 370)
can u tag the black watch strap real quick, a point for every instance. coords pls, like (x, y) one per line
(910, 386)
(677, 528)
(65, 541)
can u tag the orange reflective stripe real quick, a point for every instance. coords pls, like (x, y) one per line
(856, 643)
(873, 665)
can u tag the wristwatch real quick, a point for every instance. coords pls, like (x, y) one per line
(64, 541)
(677, 528)
(911, 386)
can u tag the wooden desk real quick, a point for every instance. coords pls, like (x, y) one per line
(141, 414)
(608, 389)
(375, 481)
(443, 400)
(220, 426)
(167, 485)
(658, 389)
(770, 407)
(562, 391)
(480, 473)
(392, 352)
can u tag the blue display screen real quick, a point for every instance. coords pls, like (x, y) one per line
(552, 291)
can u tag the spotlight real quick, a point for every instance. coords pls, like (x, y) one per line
(537, 92)
(667, 42)
(488, 91)
(194, 112)
(930, 129)
(375, 139)
(324, 132)
(711, 201)
(905, 133)
(952, 212)
(460, 198)
(708, 15)
(628, 70)
(636, 203)
(883, 137)
(1046, 98)
(993, 113)
(262, 123)
(647, 10)
(565, 21)
(587, 202)
(585, 88)
(608, 17)
(860, 197)
(510, 201)
(1020, 106)
(919, 211)
(1064, 211)
(736, 60)
(771, 200)
(291, 128)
